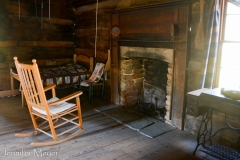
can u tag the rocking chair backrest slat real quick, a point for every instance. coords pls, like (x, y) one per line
(32, 84)
(29, 86)
(34, 90)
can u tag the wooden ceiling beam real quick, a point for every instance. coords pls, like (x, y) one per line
(77, 3)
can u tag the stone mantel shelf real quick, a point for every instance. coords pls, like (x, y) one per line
(139, 40)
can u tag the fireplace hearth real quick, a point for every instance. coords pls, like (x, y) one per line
(151, 109)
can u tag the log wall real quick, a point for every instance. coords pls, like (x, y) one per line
(33, 37)
(31, 34)
(134, 24)
(85, 19)
(85, 16)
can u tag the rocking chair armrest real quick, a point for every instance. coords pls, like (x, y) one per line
(64, 99)
(52, 86)
(49, 87)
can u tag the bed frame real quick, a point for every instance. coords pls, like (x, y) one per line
(76, 59)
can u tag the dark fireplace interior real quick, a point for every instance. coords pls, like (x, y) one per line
(146, 80)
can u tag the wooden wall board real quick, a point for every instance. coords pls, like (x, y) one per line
(78, 3)
(101, 56)
(7, 93)
(102, 32)
(31, 34)
(29, 9)
(88, 20)
(87, 42)
(34, 35)
(29, 53)
(4, 44)
(86, 32)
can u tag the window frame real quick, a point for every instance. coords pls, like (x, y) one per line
(221, 42)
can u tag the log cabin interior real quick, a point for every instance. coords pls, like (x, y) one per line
(158, 55)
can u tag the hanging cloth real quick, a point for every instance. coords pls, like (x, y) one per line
(211, 48)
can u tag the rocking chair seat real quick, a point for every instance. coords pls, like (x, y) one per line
(55, 109)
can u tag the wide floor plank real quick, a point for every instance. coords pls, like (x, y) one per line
(103, 138)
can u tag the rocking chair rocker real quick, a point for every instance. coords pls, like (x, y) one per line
(48, 115)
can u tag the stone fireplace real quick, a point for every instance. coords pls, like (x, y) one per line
(146, 79)
(146, 37)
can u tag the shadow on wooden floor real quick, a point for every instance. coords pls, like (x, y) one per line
(103, 138)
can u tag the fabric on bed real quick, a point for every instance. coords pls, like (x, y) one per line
(63, 76)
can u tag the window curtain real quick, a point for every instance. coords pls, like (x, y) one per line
(236, 2)
(211, 45)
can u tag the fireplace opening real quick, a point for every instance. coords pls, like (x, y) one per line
(146, 80)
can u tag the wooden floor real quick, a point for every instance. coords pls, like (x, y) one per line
(103, 138)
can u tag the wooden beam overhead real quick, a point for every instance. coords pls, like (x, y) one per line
(77, 3)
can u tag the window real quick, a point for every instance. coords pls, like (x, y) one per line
(229, 63)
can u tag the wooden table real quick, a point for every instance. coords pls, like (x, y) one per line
(192, 102)
(217, 101)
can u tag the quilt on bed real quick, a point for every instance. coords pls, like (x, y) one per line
(63, 76)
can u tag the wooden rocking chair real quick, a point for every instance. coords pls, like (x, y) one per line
(48, 115)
